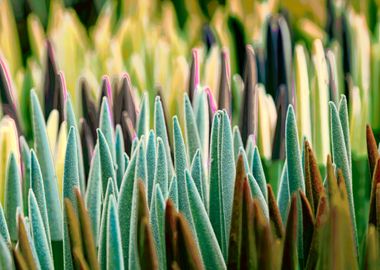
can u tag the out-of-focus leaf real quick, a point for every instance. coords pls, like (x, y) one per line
(224, 95)
(194, 79)
(372, 151)
(6, 261)
(248, 122)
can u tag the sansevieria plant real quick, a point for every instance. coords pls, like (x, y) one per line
(189, 134)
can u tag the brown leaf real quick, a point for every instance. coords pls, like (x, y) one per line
(88, 240)
(372, 151)
(372, 200)
(23, 244)
(274, 214)
(19, 260)
(290, 257)
(171, 233)
(307, 224)
(313, 178)
(236, 218)
(188, 256)
(79, 260)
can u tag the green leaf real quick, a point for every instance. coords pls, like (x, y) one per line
(72, 122)
(119, 152)
(13, 196)
(103, 246)
(340, 158)
(208, 244)
(38, 234)
(257, 194)
(141, 168)
(106, 165)
(4, 232)
(150, 163)
(161, 173)
(245, 159)
(249, 150)
(157, 220)
(258, 172)
(114, 248)
(142, 125)
(94, 194)
(199, 178)
(161, 131)
(41, 145)
(191, 130)
(36, 183)
(106, 126)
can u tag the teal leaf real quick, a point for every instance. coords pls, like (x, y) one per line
(245, 159)
(13, 196)
(157, 220)
(125, 205)
(222, 178)
(180, 164)
(293, 156)
(258, 172)
(106, 126)
(119, 152)
(25, 156)
(173, 191)
(41, 145)
(38, 234)
(343, 116)
(217, 217)
(142, 125)
(106, 165)
(208, 244)
(161, 131)
(103, 246)
(114, 248)
(70, 181)
(283, 197)
(199, 178)
(237, 141)
(257, 194)
(6, 261)
(37, 185)
(250, 150)
(135, 143)
(340, 158)
(72, 122)
(201, 113)
(141, 169)
(191, 129)
(161, 173)
(94, 194)
(150, 163)
(126, 163)
(4, 232)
